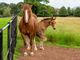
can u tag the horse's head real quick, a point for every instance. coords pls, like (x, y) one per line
(53, 22)
(27, 11)
(26, 7)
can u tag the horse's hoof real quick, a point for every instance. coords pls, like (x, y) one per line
(31, 53)
(41, 48)
(25, 53)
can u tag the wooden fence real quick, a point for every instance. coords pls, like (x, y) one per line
(12, 35)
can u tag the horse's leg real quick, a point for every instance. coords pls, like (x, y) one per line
(41, 43)
(35, 47)
(32, 46)
(26, 41)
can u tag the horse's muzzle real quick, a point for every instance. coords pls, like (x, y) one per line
(54, 28)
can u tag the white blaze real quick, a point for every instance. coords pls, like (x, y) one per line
(26, 16)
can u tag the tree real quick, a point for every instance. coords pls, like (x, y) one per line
(33, 1)
(45, 10)
(35, 4)
(63, 12)
(51, 11)
(1, 11)
(19, 7)
(7, 12)
(69, 11)
(14, 8)
(77, 12)
(2, 5)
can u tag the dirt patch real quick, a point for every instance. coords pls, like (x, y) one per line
(53, 53)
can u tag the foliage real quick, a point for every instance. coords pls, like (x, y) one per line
(69, 11)
(38, 8)
(14, 8)
(43, 10)
(77, 12)
(38, 1)
(63, 11)
(2, 6)
(7, 11)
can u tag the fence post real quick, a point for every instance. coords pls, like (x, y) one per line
(15, 26)
(9, 35)
(9, 42)
(1, 44)
(13, 37)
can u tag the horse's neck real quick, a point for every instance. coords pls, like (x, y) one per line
(43, 25)
(46, 24)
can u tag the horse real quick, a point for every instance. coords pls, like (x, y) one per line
(42, 26)
(28, 27)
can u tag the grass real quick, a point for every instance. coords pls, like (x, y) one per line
(67, 34)
(3, 22)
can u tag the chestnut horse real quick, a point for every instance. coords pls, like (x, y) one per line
(28, 27)
(42, 26)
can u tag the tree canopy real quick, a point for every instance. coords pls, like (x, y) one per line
(39, 9)
(34, 1)
(63, 11)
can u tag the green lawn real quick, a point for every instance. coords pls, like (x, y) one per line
(3, 22)
(67, 34)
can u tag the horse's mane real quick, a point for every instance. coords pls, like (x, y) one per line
(46, 19)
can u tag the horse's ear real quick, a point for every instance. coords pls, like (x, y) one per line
(54, 18)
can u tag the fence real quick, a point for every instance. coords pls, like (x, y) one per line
(12, 34)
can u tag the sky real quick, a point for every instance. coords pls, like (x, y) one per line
(54, 3)
(11, 1)
(66, 3)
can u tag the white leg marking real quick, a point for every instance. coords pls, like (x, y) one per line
(35, 47)
(27, 41)
(31, 53)
(25, 53)
(41, 45)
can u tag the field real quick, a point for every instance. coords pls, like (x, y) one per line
(67, 34)
(3, 22)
